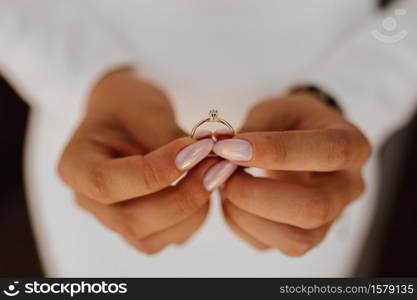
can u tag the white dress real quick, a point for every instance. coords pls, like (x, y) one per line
(206, 54)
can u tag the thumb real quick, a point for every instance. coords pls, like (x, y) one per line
(269, 115)
(90, 169)
(135, 106)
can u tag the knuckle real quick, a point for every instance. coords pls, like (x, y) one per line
(338, 150)
(181, 242)
(134, 223)
(363, 145)
(148, 249)
(149, 252)
(119, 222)
(316, 210)
(123, 225)
(152, 180)
(359, 189)
(301, 241)
(79, 201)
(80, 205)
(186, 201)
(63, 169)
(99, 185)
(298, 248)
(261, 248)
(142, 246)
(279, 149)
(60, 169)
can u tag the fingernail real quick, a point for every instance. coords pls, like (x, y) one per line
(218, 174)
(193, 154)
(202, 133)
(234, 149)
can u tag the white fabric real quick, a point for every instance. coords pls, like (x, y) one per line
(376, 79)
(206, 54)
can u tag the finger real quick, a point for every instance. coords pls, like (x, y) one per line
(294, 204)
(291, 176)
(90, 169)
(302, 150)
(114, 219)
(141, 217)
(219, 134)
(159, 211)
(222, 134)
(203, 134)
(146, 111)
(111, 216)
(278, 114)
(243, 234)
(177, 234)
(290, 240)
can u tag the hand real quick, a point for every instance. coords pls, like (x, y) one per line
(313, 158)
(123, 157)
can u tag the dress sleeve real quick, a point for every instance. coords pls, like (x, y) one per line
(53, 51)
(373, 71)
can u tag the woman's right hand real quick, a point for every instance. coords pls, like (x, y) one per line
(123, 158)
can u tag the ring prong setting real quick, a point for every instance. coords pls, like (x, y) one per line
(213, 117)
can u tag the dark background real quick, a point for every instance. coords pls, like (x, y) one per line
(391, 250)
(18, 255)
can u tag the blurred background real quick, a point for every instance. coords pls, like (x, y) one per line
(390, 250)
(18, 254)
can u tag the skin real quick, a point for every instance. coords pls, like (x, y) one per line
(120, 163)
(314, 160)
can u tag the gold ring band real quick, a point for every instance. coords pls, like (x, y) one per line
(213, 118)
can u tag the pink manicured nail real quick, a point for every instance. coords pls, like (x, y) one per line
(193, 154)
(218, 174)
(233, 149)
(203, 133)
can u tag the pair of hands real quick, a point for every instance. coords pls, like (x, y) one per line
(128, 149)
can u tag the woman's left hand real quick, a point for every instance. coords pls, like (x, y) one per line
(314, 160)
